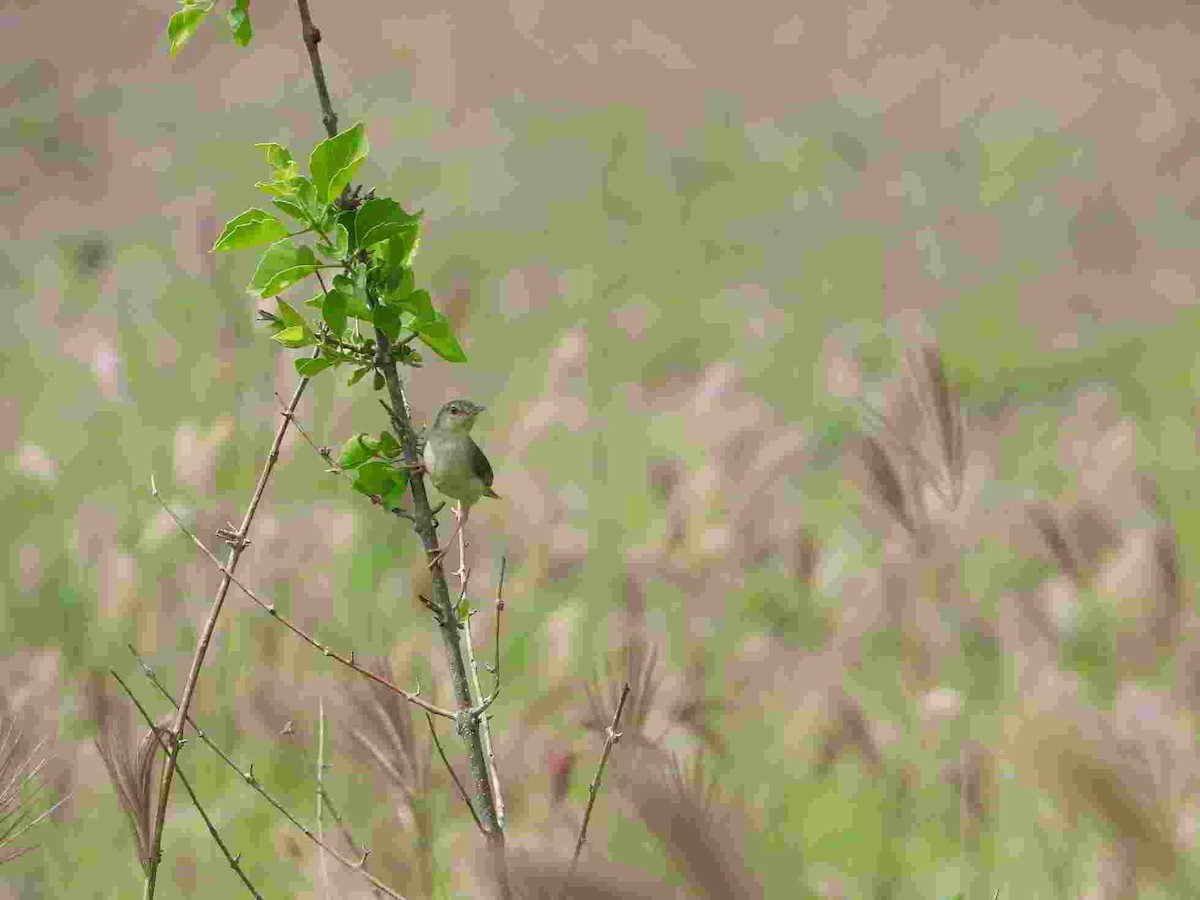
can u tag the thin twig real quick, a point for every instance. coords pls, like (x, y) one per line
(327, 801)
(594, 788)
(312, 36)
(321, 794)
(487, 731)
(347, 661)
(462, 547)
(449, 768)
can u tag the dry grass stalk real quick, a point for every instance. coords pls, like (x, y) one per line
(537, 875)
(679, 807)
(132, 770)
(919, 451)
(20, 786)
(846, 730)
(1119, 768)
(636, 662)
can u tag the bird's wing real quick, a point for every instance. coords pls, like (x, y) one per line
(480, 465)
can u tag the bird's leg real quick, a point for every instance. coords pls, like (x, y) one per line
(460, 513)
(438, 554)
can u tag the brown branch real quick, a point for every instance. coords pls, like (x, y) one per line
(237, 545)
(325, 649)
(312, 36)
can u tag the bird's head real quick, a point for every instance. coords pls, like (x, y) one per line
(457, 416)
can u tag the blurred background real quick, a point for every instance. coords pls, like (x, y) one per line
(841, 381)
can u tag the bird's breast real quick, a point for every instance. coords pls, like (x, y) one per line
(449, 467)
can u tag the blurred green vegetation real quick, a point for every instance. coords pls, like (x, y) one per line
(598, 196)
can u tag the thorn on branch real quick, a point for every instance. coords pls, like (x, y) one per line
(233, 537)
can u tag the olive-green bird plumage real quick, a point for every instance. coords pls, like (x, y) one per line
(456, 465)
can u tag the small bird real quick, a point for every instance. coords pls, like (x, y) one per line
(456, 465)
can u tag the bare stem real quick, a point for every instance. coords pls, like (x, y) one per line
(321, 795)
(611, 738)
(477, 697)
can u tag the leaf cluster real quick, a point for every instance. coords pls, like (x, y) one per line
(183, 24)
(370, 242)
(372, 460)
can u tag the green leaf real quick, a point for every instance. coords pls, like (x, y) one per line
(334, 161)
(282, 265)
(374, 477)
(281, 188)
(397, 251)
(292, 207)
(383, 218)
(281, 161)
(310, 367)
(394, 495)
(411, 253)
(440, 339)
(333, 311)
(288, 313)
(307, 195)
(253, 227)
(340, 248)
(239, 23)
(421, 305)
(387, 320)
(354, 453)
(357, 376)
(296, 196)
(295, 336)
(182, 25)
(397, 285)
(356, 298)
(388, 445)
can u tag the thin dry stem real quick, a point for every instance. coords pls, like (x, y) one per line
(611, 738)
(454, 775)
(348, 661)
(320, 779)
(18, 772)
